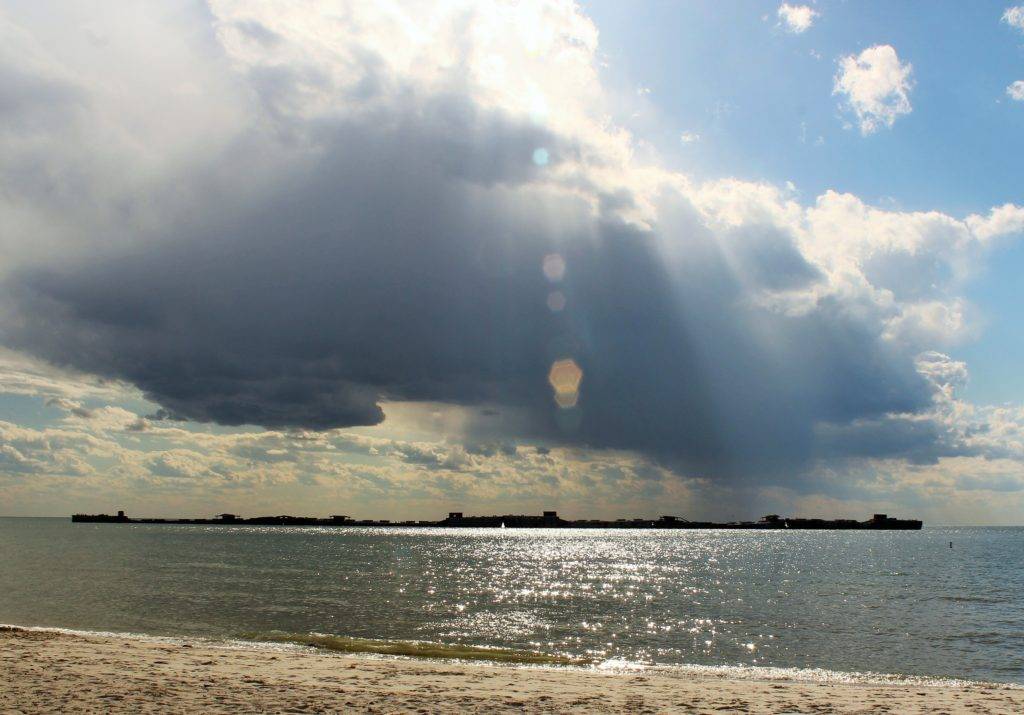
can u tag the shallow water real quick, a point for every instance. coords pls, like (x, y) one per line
(884, 602)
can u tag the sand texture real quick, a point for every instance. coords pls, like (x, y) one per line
(46, 671)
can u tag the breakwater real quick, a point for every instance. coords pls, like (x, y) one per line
(547, 520)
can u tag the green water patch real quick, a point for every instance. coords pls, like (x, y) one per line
(413, 649)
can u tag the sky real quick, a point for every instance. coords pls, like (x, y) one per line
(711, 259)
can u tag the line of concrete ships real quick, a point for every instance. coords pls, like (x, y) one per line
(548, 520)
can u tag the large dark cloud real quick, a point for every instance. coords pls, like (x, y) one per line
(404, 263)
(399, 257)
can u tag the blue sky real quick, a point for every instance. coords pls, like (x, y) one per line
(760, 97)
(290, 256)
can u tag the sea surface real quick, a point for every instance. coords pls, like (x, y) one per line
(845, 602)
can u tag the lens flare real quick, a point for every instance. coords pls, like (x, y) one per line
(554, 267)
(565, 377)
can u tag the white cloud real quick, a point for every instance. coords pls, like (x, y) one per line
(689, 137)
(875, 85)
(1004, 220)
(50, 451)
(797, 18)
(1016, 91)
(1014, 17)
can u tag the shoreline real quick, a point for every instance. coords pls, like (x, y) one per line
(52, 669)
(304, 645)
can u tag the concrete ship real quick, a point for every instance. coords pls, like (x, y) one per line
(548, 520)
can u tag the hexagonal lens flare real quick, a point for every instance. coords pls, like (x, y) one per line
(565, 377)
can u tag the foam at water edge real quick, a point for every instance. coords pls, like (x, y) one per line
(821, 675)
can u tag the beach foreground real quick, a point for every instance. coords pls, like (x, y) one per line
(49, 671)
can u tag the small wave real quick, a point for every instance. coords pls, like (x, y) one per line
(973, 599)
(101, 634)
(412, 649)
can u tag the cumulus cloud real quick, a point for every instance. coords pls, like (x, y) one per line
(27, 451)
(797, 18)
(342, 221)
(1005, 220)
(1016, 91)
(875, 86)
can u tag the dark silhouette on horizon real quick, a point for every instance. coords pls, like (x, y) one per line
(548, 520)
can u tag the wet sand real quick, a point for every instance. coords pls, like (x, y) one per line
(47, 671)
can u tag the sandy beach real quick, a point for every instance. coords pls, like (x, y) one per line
(49, 671)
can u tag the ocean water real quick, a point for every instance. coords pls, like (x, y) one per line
(850, 602)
